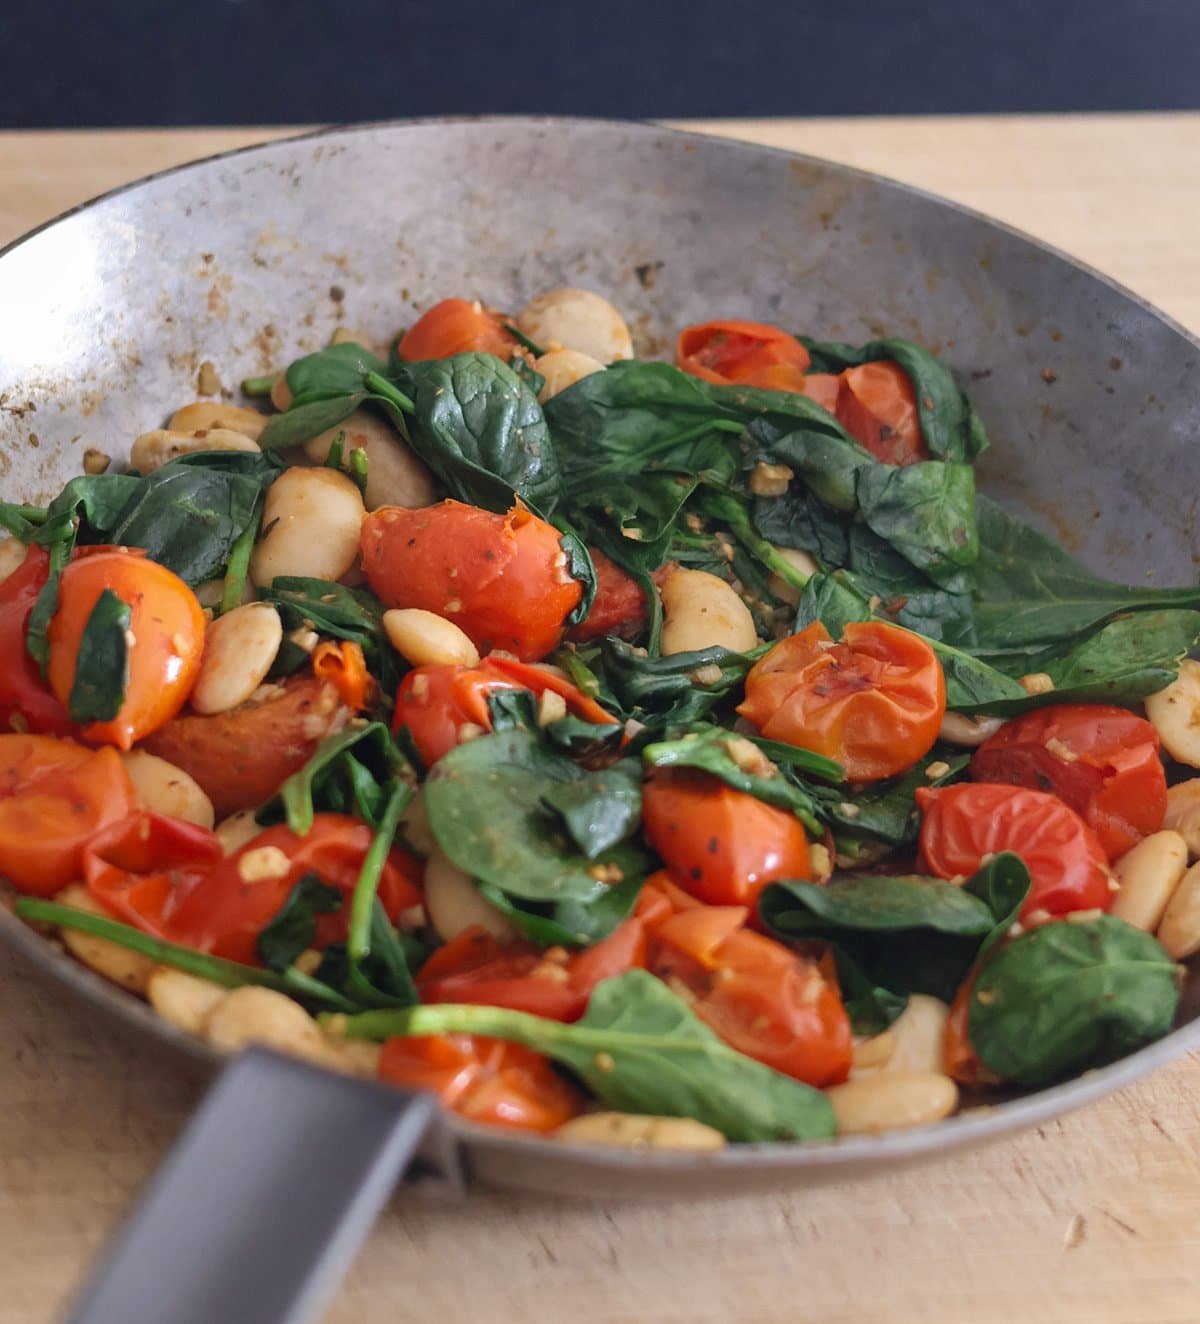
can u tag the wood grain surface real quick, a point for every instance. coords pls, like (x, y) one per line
(1096, 1218)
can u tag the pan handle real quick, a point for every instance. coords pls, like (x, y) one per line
(264, 1201)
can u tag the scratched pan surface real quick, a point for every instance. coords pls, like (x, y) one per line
(1092, 398)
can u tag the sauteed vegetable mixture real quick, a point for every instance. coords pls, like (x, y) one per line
(647, 753)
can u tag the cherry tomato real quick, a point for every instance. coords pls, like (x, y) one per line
(961, 1060)
(874, 701)
(740, 353)
(485, 1080)
(878, 407)
(504, 579)
(226, 910)
(240, 757)
(342, 664)
(720, 845)
(825, 388)
(619, 606)
(455, 326)
(965, 824)
(479, 969)
(435, 703)
(167, 626)
(1102, 761)
(26, 701)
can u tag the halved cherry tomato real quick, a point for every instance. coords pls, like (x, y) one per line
(24, 695)
(225, 911)
(878, 407)
(435, 703)
(504, 579)
(734, 352)
(485, 1080)
(167, 628)
(54, 796)
(720, 845)
(455, 326)
(479, 969)
(874, 701)
(961, 1060)
(240, 757)
(965, 824)
(342, 664)
(825, 388)
(619, 606)
(1102, 761)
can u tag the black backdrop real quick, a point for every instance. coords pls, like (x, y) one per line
(96, 62)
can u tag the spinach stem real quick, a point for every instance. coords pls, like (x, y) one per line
(378, 383)
(358, 942)
(257, 386)
(239, 562)
(522, 339)
(734, 515)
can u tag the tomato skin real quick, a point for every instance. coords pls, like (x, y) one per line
(825, 388)
(485, 1080)
(54, 796)
(733, 352)
(962, 1062)
(1102, 761)
(24, 695)
(166, 621)
(878, 407)
(455, 326)
(874, 701)
(223, 913)
(720, 845)
(503, 579)
(619, 606)
(342, 664)
(962, 825)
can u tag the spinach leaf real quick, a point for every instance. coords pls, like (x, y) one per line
(600, 810)
(833, 599)
(639, 1048)
(294, 925)
(1066, 997)
(301, 422)
(569, 923)
(927, 513)
(905, 595)
(102, 665)
(799, 519)
(679, 688)
(487, 808)
(951, 427)
(828, 461)
(327, 387)
(886, 810)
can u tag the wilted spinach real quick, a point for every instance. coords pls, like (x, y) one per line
(294, 925)
(102, 663)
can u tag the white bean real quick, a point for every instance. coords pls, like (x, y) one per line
(395, 476)
(702, 611)
(415, 829)
(454, 904)
(872, 1053)
(236, 830)
(920, 1035)
(311, 522)
(891, 1101)
(120, 965)
(636, 1131)
(256, 1015)
(206, 415)
(425, 639)
(798, 560)
(239, 649)
(969, 732)
(165, 789)
(577, 319)
(154, 449)
(1179, 931)
(1175, 712)
(12, 554)
(562, 368)
(183, 1000)
(1149, 873)
(1183, 812)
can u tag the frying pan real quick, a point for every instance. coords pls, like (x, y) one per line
(246, 260)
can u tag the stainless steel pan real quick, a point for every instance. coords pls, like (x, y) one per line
(1091, 396)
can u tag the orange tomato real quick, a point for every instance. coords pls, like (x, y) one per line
(720, 845)
(503, 579)
(485, 1080)
(455, 326)
(874, 701)
(54, 796)
(737, 353)
(825, 388)
(878, 407)
(167, 628)
(619, 606)
(342, 664)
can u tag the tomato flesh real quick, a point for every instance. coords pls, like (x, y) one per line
(878, 407)
(26, 702)
(738, 353)
(619, 606)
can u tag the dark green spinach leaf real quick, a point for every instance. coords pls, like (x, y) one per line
(294, 925)
(927, 513)
(102, 664)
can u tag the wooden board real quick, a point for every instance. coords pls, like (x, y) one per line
(1096, 1218)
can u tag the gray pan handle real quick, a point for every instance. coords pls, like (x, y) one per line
(264, 1201)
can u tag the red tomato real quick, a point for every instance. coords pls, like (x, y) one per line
(619, 606)
(479, 969)
(26, 701)
(225, 911)
(963, 825)
(874, 701)
(878, 407)
(434, 703)
(455, 326)
(342, 664)
(1102, 761)
(485, 1080)
(54, 796)
(825, 388)
(720, 845)
(961, 1060)
(504, 579)
(167, 625)
(740, 353)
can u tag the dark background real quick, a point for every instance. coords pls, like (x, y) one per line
(125, 62)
